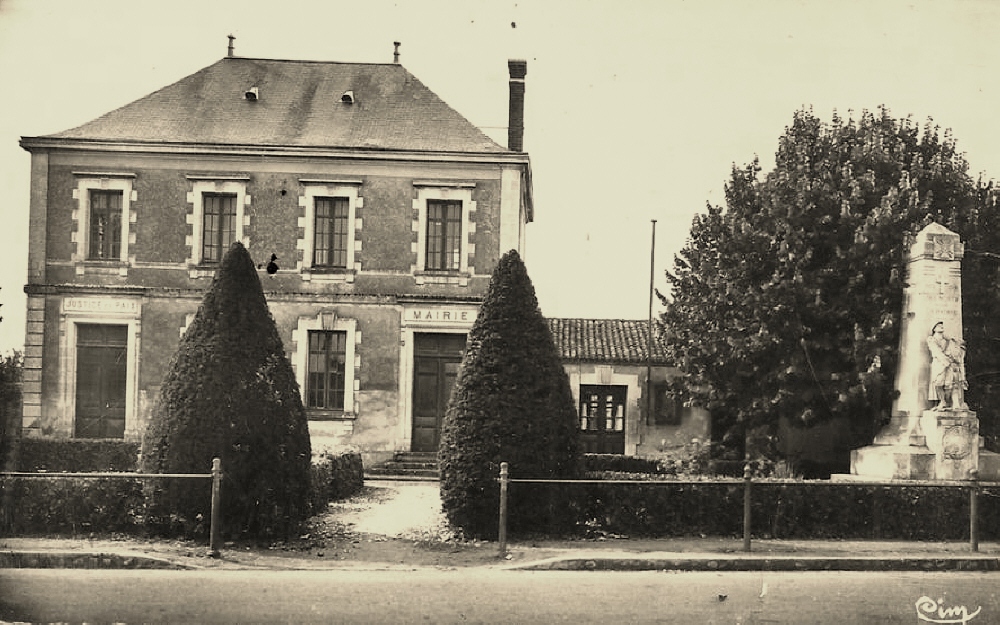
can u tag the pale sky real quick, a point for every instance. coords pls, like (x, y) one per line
(635, 109)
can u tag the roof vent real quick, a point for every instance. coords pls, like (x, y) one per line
(251, 94)
(348, 97)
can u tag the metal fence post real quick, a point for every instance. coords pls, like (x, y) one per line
(747, 481)
(502, 537)
(974, 510)
(213, 539)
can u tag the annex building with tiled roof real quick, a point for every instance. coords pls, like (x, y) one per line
(619, 370)
(386, 209)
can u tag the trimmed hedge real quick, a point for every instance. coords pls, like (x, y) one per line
(72, 506)
(334, 477)
(55, 455)
(619, 463)
(787, 510)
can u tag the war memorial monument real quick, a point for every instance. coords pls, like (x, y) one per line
(932, 434)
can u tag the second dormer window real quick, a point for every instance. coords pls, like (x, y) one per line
(444, 235)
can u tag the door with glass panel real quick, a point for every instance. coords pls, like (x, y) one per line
(602, 418)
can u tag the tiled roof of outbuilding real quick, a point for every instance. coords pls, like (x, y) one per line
(619, 341)
(299, 105)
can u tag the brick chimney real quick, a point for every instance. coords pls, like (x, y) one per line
(515, 125)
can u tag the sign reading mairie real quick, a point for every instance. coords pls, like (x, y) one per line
(439, 315)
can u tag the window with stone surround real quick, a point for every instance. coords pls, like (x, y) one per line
(217, 217)
(331, 230)
(327, 368)
(444, 225)
(444, 235)
(326, 362)
(218, 225)
(105, 225)
(104, 234)
(329, 224)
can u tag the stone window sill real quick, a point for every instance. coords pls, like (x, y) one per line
(442, 277)
(314, 414)
(328, 274)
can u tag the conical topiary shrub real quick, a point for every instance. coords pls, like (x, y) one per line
(230, 393)
(511, 403)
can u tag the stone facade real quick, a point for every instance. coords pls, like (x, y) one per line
(152, 283)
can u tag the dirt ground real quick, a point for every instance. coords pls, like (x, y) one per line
(388, 522)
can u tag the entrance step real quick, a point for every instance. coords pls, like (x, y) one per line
(412, 465)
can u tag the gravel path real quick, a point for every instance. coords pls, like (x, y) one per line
(396, 509)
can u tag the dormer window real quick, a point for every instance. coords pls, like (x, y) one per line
(252, 94)
(348, 97)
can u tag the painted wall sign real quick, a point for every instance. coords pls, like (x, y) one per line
(439, 315)
(102, 305)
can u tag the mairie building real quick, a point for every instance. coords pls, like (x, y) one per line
(385, 211)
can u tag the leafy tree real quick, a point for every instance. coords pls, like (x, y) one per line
(787, 302)
(511, 403)
(11, 374)
(231, 393)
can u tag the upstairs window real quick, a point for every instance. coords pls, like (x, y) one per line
(444, 235)
(332, 221)
(104, 215)
(216, 219)
(218, 225)
(105, 225)
(327, 368)
(444, 226)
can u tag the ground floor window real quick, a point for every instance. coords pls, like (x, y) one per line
(325, 386)
(602, 418)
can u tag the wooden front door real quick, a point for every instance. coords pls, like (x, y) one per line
(101, 352)
(436, 361)
(602, 418)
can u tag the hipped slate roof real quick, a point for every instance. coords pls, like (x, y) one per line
(299, 105)
(613, 341)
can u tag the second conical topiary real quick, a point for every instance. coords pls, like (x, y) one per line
(511, 403)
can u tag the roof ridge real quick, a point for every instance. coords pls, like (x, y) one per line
(313, 61)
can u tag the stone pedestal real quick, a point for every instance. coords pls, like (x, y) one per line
(940, 445)
(892, 462)
(953, 436)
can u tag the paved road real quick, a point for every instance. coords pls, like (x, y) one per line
(494, 596)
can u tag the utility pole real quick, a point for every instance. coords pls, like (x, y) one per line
(649, 329)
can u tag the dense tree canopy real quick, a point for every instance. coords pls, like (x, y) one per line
(511, 403)
(231, 393)
(787, 301)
